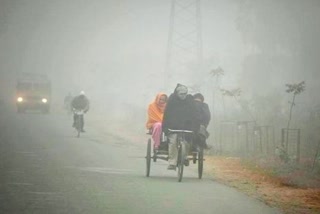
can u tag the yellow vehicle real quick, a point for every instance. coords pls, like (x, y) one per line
(33, 92)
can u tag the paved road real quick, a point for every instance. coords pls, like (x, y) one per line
(46, 169)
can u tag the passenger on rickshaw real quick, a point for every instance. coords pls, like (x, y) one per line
(155, 116)
(180, 114)
(204, 117)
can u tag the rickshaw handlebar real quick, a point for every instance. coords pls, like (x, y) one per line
(180, 131)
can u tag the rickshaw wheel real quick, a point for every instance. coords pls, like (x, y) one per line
(181, 158)
(148, 158)
(200, 162)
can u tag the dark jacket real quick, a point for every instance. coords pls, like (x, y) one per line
(203, 112)
(80, 103)
(180, 114)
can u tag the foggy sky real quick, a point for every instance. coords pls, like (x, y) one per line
(110, 43)
(116, 49)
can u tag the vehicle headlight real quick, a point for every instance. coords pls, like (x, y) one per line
(44, 100)
(20, 99)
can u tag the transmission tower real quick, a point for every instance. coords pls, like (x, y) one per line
(184, 51)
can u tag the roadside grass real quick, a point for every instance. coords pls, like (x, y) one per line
(277, 184)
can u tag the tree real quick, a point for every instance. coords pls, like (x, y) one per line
(296, 89)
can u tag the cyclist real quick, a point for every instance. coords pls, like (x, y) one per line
(80, 102)
(180, 114)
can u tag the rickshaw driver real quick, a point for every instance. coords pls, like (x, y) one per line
(180, 114)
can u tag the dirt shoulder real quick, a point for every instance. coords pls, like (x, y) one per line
(263, 185)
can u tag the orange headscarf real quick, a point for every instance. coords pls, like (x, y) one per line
(155, 111)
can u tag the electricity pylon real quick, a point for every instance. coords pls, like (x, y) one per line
(184, 51)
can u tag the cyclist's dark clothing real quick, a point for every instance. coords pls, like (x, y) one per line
(80, 102)
(180, 114)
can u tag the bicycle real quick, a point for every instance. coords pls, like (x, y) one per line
(182, 149)
(183, 136)
(78, 120)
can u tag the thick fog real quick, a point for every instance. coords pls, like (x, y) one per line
(116, 51)
(113, 50)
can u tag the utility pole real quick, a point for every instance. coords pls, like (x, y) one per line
(184, 50)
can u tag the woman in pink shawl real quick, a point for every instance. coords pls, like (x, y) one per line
(155, 115)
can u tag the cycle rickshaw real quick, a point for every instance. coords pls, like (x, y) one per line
(195, 154)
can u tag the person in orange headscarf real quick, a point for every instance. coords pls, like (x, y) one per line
(155, 115)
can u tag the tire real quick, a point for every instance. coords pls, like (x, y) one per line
(148, 158)
(180, 162)
(78, 126)
(200, 162)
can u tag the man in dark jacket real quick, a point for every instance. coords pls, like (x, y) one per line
(80, 102)
(180, 114)
(204, 117)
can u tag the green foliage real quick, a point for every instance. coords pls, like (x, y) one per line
(295, 88)
(217, 72)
